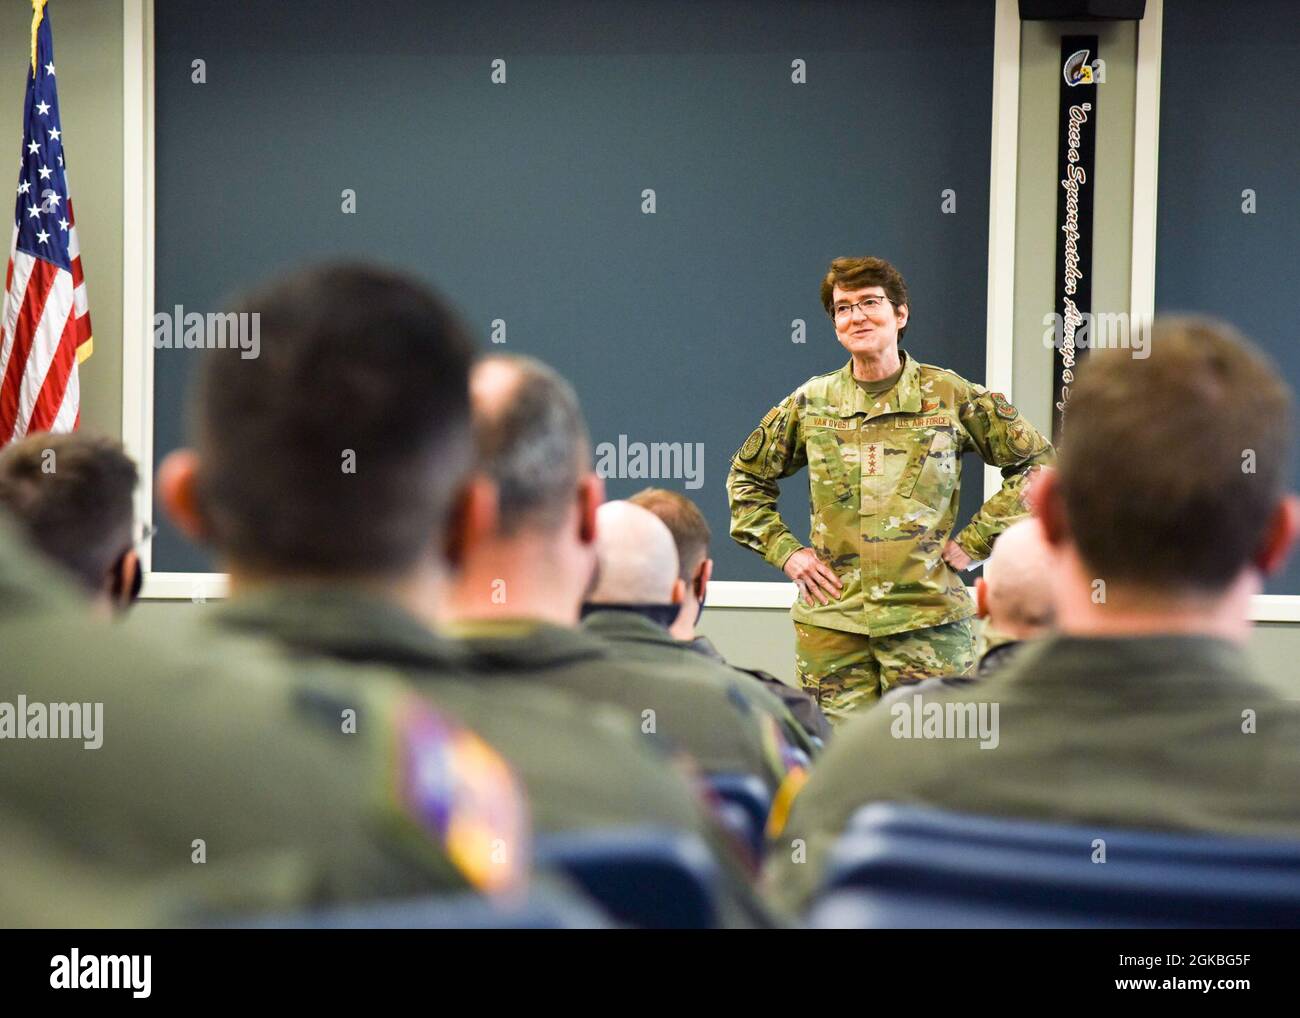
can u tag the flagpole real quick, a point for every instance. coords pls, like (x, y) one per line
(38, 12)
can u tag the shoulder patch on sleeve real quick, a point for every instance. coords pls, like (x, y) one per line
(752, 445)
(770, 416)
(784, 800)
(1019, 440)
(457, 789)
(1002, 408)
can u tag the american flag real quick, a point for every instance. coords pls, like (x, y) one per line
(45, 323)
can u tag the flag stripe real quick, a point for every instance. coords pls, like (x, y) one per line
(43, 347)
(70, 409)
(30, 312)
(54, 385)
(20, 270)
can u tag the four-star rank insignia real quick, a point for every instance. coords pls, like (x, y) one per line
(1002, 408)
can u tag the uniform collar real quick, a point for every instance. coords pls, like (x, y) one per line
(660, 614)
(1165, 667)
(516, 644)
(617, 624)
(703, 645)
(905, 397)
(340, 623)
(998, 655)
(28, 583)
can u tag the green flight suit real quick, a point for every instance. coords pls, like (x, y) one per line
(224, 784)
(884, 478)
(583, 767)
(1165, 733)
(642, 640)
(802, 707)
(721, 728)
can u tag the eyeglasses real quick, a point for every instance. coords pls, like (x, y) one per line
(867, 304)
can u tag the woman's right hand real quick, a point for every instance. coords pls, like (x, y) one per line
(813, 577)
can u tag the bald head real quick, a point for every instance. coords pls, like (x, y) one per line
(1018, 574)
(492, 382)
(637, 556)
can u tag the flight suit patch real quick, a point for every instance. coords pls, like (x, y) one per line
(1019, 440)
(455, 787)
(1002, 408)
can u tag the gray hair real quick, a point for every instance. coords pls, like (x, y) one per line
(535, 446)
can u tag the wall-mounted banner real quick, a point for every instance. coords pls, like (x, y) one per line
(1074, 163)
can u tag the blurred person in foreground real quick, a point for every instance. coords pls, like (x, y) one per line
(516, 602)
(150, 782)
(691, 534)
(1168, 511)
(343, 513)
(638, 594)
(1013, 597)
(73, 497)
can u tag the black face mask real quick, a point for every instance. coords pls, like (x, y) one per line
(701, 596)
(660, 614)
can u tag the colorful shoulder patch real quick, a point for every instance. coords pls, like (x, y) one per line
(782, 755)
(1002, 408)
(783, 801)
(457, 789)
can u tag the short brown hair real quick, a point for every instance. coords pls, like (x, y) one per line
(1172, 466)
(338, 450)
(682, 516)
(857, 273)
(72, 495)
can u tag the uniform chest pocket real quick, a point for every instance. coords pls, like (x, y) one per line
(829, 466)
(936, 467)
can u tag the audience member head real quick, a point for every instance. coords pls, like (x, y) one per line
(73, 497)
(337, 453)
(527, 524)
(1170, 502)
(1015, 593)
(638, 559)
(691, 535)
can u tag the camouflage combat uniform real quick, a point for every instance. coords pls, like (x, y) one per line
(884, 477)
